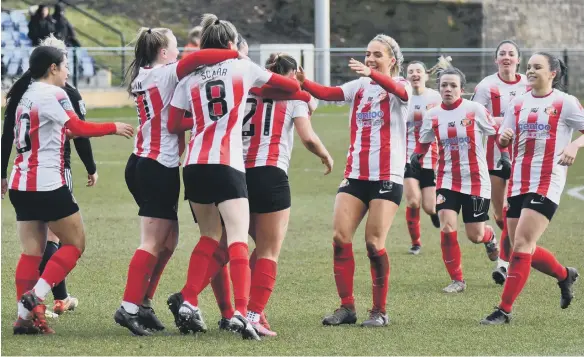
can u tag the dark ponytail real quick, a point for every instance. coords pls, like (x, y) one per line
(281, 63)
(40, 61)
(558, 66)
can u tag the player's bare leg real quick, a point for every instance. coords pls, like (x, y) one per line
(480, 232)
(381, 215)
(269, 232)
(348, 214)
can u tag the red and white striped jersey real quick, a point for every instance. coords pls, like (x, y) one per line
(460, 129)
(543, 127)
(153, 89)
(419, 104)
(378, 131)
(216, 95)
(496, 94)
(268, 131)
(39, 137)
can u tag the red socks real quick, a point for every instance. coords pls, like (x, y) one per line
(488, 235)
(27, 273)
(60, 264)
(262, 284)
(344, 270)
(240, 275)
(379, 261)
(451, 255)
(216, 265)
(413, 221)
(544, 261)
(139, 274)
(198, 266)
(519, 268)
(221, 285)
(163, 258)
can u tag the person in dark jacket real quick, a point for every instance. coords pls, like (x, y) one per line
(63, 28)
(41, 25)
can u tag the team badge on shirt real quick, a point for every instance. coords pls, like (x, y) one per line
(551, 111)
(440, 199)
(466, 122)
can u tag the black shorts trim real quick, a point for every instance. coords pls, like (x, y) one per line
(155, 187)
(371, 190)
(213, 183)
(532, 201)
(474, 208)
(268, 189)
(500, 173)
(426, 177)
(46, 206)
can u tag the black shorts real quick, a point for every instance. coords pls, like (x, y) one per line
(155, 187)
(532, 201)
(426, 177)
(371, 190)
(213, 183)
(474, 208)
(500, 173)
(46, 206)
(268, 188)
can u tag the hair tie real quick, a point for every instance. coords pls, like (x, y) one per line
(217, 22)
(149, 30)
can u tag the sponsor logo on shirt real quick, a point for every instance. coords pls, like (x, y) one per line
(513, 93)
(417, 107)
(452, 124)
(366, 119)
(455, 144)
(535, 130)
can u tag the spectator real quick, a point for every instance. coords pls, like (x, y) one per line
(194, 41)
(63, 28)
(41, 25)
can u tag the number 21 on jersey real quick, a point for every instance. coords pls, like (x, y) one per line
(251, 111)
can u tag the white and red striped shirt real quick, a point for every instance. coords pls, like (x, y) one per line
(419, 104)
(378, 131)
(153, 89)
(39, 137)
(460, 129)
(216, 95)
(496, 94)
(543, 127)
(268, 131)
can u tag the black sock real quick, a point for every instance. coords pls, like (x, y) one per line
(60, 290)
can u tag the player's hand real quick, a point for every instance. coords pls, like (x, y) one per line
(506, 137)
(4, 187)
(125, 130)
(415, 162)
(69, 134)
(359, 67)
(300, 76)
(92, 179)
(568, 155)
(328, 162)
(505, 164)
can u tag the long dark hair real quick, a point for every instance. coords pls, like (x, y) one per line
(281, 63)
(217, 33)
(511, 42)
(558, 66)
(40, 61)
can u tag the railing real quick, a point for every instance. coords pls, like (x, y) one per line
(476, 63)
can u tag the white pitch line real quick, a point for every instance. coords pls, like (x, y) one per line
(577, 192)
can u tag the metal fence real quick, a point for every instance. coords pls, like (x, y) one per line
(475, 63)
